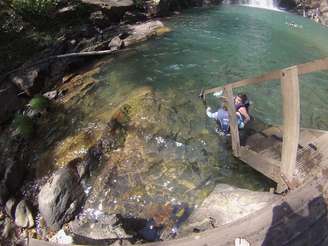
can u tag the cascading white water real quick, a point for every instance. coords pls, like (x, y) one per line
(265, 4)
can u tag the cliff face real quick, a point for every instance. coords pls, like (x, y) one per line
(314, 9)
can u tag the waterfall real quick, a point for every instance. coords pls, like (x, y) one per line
(265, 4)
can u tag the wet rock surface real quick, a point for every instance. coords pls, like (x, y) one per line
(314, 9)
(133, 151)
(224, 205)
(12, 165)
(141, 32)
(60, 198)
(99, 227)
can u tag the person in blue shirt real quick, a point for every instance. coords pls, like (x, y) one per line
(222, 115)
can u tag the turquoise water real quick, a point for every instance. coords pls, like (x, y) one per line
(211, 47)
(206, 48)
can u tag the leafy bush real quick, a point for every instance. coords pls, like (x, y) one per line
(24, 125)
(39, 103)
(34, 7)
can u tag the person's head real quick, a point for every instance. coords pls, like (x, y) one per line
(241, 98)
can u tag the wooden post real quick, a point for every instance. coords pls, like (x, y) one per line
(232, 120)
(291, 120)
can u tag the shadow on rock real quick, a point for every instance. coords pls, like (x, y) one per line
(309, 226)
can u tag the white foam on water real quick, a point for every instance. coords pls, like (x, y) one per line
(263, 4)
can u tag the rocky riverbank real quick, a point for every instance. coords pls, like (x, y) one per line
(314, 9)
(75, 181)
(115, 163)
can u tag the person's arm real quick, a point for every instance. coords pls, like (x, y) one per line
(244, 113)
(210, 114)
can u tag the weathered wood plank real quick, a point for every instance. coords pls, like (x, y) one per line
(313, 66)
(274, 75)
(269, 167)
(232, 120)
(291, 120)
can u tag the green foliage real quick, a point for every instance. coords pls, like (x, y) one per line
(34, 7)
(39, 103)
(24, 125)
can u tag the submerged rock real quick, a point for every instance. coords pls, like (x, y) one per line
(60, 198)
(23, 215)
(148, 150)
(224, 205)
(96, 225)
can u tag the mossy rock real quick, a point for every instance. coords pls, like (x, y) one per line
(24, 125)
(39, 103)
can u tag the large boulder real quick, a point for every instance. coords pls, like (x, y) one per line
(113, 9)
(61, 197)
(145, 140)
(141, 32)
(224, 205)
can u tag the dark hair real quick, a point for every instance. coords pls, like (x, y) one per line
(244, 98)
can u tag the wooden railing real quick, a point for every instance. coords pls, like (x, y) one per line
(291, 109)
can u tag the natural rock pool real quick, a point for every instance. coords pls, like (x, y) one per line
(166, 157)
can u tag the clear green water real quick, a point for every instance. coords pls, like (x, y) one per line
(211, 47)
(206, 48)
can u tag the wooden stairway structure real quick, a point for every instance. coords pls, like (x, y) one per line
(287, 154)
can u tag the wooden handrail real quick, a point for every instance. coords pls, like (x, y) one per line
(291, 124)
(232, 120)
(289, 80)
(309, 67)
